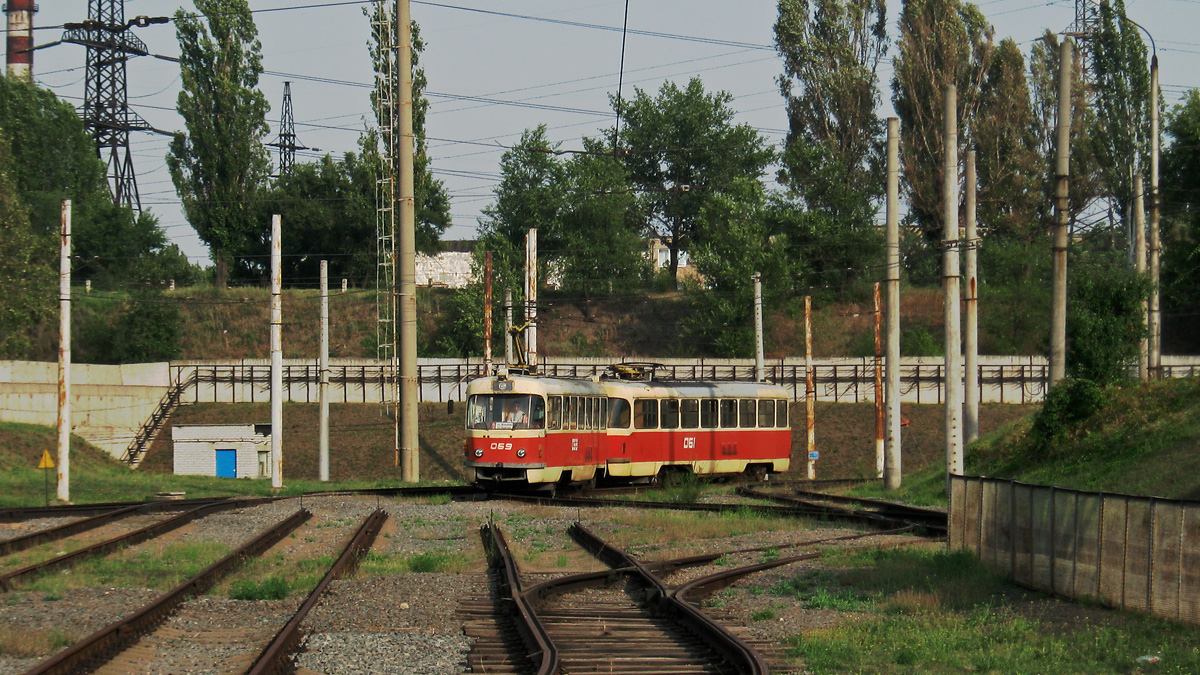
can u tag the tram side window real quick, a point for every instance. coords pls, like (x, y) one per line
(555, 413)
(670, 413)
(708, 413)
(781, 414)
(729, 413)
(569, 414)
(766, 414)
(602, 416)
(618, 417)
(690, 413)
(645, 413)
(589, 408)
(747, 410)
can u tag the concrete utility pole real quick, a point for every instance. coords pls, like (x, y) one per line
(971, 334)
(810, 392)
(1155, 324)
(410, 460)
(759, 358)
(950, 273)
(1062, 218)
(1139, 266)
(276, 354)
(891, 464)
(487, 313)
(531, 283)
(324, 365)
(879, 451)
(64, 355)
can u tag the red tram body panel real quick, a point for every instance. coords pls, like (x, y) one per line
(539, 430)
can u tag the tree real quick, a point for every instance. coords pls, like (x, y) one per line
(531, 194)
(220, 165)
(833, 156)
(1044, 59)
(682, 149)
(1181, 213)
(596, 240)
(1010, 171)
(432, 204)
(53, 158)
(942, 42)
(1121, 78)
(26, 268)
(328, 208)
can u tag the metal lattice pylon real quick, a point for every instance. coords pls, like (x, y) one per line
(1085, 25)
(287, 143)
(106, 114)
(385, 199)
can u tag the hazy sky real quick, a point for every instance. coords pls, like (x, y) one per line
(554, 64)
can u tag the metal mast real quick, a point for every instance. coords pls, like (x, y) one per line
(1085, 25)
(287, 135)
(385, 213)
(106, 113)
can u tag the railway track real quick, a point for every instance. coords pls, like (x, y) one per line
(869, 509)
(117, 637)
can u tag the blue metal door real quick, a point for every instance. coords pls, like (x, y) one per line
(226, 463)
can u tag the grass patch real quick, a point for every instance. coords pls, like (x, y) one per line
(933, 611)
(272, 588)
(158, 568)
(380, 564)
(19, 642)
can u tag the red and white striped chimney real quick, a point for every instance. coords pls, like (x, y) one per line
(20, 38)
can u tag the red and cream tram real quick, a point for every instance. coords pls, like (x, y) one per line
(533, 430)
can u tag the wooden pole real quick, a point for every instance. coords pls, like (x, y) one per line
(810, 392)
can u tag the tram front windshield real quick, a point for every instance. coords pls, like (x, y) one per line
(506, 411)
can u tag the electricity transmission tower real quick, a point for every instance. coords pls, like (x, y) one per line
(287, 135)
(1085, 25)
(110, 44)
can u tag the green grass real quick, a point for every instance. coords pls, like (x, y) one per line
(271, 588)
(380, 564)
(933, 611)
(136, 568)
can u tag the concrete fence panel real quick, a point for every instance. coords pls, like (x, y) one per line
(1137, 553)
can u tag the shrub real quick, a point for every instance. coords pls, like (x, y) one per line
(1069, 403)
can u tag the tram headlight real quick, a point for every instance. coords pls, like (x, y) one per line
(521, 452)
(479, 452)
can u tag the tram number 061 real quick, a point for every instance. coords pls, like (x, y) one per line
(502, 446)
(689, 442)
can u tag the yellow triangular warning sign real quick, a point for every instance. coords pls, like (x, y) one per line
(46, 462)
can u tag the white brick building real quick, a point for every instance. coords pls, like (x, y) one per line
(222, 450)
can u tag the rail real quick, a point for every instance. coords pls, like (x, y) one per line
(274, 659)
(117, 636)
(528, 624)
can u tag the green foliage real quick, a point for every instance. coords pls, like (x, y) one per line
(818, 250)
(682, 150)
(1181, 210)
(1104, 318)
(220, 166)
(26, 269)
(144, 328)
(1009, 169)
(918, 341)
(1014, 293)
(1120, 69)
(1069, 403)
(941, 42)
(271, 588)
(833, 156)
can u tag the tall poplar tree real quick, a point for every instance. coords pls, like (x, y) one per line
(220, 165)
(942, 42)
(1121, 79)
(1010, 171)
(833, 156)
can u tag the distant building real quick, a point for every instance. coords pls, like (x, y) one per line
(659, 254)
(222, 450)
